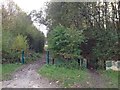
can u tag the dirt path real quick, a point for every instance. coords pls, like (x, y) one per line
(28, 78)
(96, 80)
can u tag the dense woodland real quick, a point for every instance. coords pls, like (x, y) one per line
(76, 30)
(89, 30)
(19, 33)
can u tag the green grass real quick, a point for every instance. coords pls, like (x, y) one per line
(112, 75)
(66, 77)
(8, 69)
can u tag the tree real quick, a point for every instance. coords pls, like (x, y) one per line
(99, 22)
(18, 22)
(65, 42)
(18, 26)
(20, 43)
(9, 12)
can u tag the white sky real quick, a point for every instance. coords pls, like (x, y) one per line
(29, 5)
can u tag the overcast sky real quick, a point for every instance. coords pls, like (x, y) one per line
(29, 5)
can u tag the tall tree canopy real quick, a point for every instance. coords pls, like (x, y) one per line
(18, 30)
(99, 21)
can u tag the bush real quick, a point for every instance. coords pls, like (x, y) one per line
(32, 56)
(20, 43)
(106, 45)
(11, 56)
(7, 40)
(17, 30)
(71, 64)
(65, 42)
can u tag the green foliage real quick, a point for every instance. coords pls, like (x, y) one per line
(18, 22)
(70, 64)
(106, 45)
(65, 42)
(25, 27)
(32, 56)
(98, 18)
(7, 40)
(36, 39)
(11, 56)
(17, 30)
(8, 56)
(66, 14)
(20, 43)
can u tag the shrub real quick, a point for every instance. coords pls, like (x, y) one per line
(7, 40)
(20, 43)
(13, 54)
(65, 42)
(32, 56)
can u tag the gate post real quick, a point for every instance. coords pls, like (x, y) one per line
(23, 57)
(47, 57)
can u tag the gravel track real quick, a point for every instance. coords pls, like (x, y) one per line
(27, 77)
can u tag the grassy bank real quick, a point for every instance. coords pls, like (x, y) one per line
(66, 77)
(112, 76)
(8, 69)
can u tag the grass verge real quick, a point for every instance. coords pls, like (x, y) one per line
(112, 76)
(64, 76)
(7, 70)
